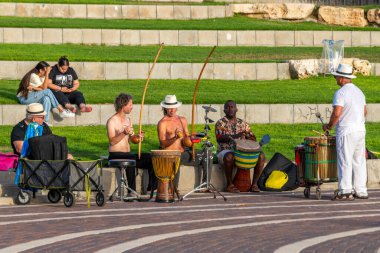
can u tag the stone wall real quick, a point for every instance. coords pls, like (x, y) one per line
(15, 70)
(107, 11)
(114, 37)
(252, 113)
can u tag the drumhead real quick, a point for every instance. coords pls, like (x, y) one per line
(247, 145)
(165, 152)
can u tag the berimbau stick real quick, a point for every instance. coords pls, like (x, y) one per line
(143, 97)
(194, 98)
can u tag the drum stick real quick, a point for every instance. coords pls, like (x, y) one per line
(143, 97)
(318, 115)
(322, 134)
(194, 98)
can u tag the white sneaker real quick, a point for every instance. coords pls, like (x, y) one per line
(66, 114)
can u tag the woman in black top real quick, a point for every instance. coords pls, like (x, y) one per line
(64, 84)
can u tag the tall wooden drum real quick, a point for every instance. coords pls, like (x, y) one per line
(165, 165)
(320, 158)
(246, 156)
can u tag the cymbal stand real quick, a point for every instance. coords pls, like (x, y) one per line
(206, 158)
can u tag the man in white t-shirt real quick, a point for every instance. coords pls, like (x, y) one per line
(349, 118)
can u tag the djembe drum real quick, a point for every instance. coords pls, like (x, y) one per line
(246, 156)
(165, 165)
(320, 158)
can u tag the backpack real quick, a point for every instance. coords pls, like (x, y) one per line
(280, 174)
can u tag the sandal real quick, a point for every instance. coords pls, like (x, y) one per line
(232, 188)
(343, 197)
(254, 188)
(86, 109)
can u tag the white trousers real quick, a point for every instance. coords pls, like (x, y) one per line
(352, 169)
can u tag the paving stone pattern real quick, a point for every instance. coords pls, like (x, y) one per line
(259, 222)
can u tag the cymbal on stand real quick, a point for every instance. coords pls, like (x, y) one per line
(209, 108)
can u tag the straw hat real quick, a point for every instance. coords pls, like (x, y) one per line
(344, 70)
(35, 109)
(171, 102)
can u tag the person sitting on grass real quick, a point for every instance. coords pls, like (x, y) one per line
(63, 81)
(33, 88)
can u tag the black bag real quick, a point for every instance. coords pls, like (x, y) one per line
(370, 155)
(280, 163)
(48, 147)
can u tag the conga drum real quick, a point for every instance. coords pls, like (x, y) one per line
(165, 166)
(320, 159)
(246, 155)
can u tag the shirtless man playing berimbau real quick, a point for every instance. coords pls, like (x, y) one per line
(172, 130)
(120, 133)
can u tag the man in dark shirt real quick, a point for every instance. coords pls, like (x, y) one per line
(34, 113)
(63, 81)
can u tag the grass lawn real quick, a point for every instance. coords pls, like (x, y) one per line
(31, 52)
(233, 23)
(314, 90)
(90, 142)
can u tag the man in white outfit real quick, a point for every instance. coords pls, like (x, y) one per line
(349, 118)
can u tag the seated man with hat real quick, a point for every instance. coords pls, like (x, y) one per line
(227, 130)
(172, 128)
(35, 115)
(173, 133)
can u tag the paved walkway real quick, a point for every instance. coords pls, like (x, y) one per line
(264, 222)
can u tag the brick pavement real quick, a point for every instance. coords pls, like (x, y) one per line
(262, 222)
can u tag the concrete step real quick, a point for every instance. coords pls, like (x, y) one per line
(115, 37)
(15, 70)
(252, 113)
(107, 11)
(189, 179)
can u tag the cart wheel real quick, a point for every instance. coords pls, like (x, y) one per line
(23, 198)
(68, 199)
(99, 199)
(306, 193)
(318, 193)
(54, 196)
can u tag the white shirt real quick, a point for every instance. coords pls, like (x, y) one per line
(35, 80)
(352, 99)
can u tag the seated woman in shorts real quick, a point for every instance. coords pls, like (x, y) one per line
(33, 88)
(64, 83)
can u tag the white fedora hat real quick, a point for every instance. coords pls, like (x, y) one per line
(344, 70)
(35, 109)
(170, 102)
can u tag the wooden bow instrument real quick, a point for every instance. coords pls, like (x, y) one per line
(143, 97)
(195, 95)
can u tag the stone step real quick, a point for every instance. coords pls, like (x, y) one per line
(107, 11)
(115, 37)
(15, 70)
(189, 179)
(252, 113)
